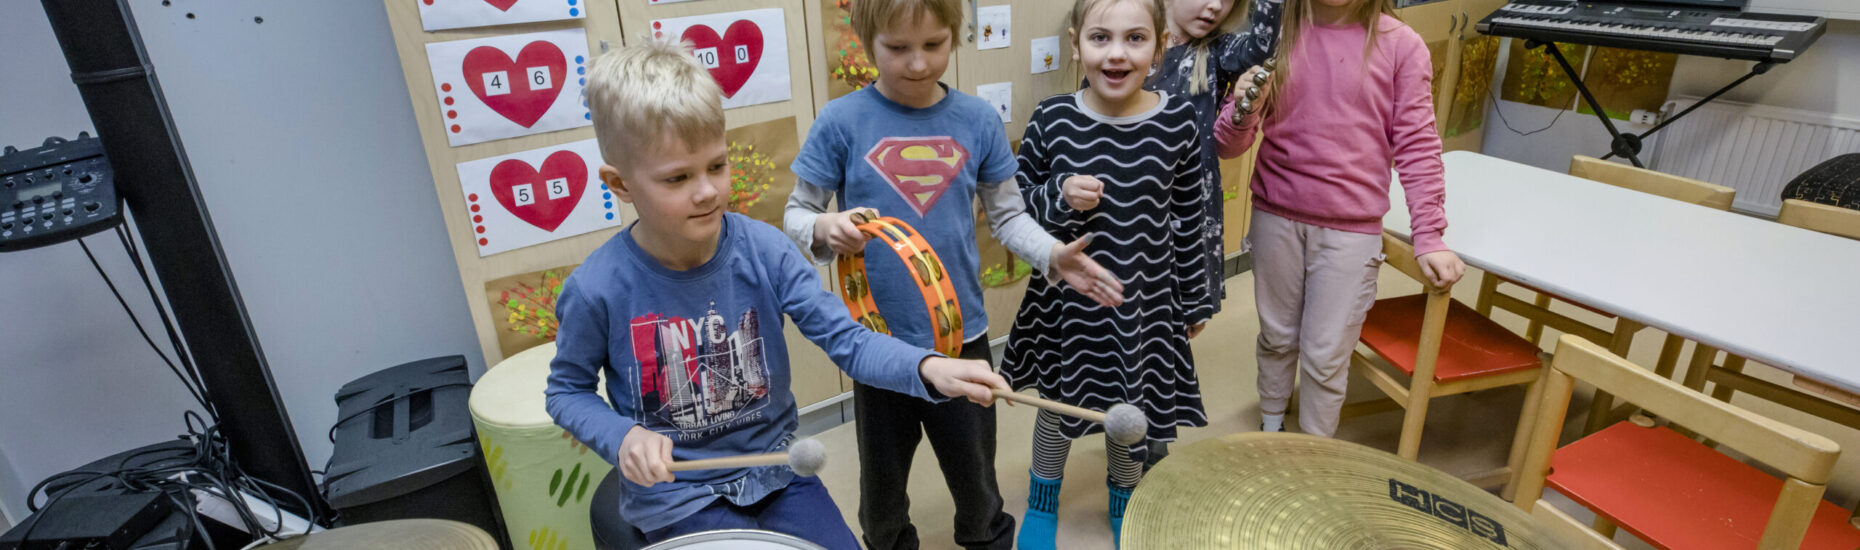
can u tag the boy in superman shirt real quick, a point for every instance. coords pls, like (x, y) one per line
(914, 149)
(683, 312)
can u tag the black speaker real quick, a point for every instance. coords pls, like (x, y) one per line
(405, 448)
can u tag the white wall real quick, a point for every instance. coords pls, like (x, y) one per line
(1824, 79)
(304, 144)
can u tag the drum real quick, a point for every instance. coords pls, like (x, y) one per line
(736, 539)
(1294, 491)
(544, 478)
(400, 534)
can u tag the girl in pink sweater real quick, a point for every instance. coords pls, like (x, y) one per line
(1349, 100)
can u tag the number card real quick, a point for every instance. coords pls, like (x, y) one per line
(746, 52)
(509, 86)
(536, 196)
(458, 14)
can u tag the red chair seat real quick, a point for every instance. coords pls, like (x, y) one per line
(1674, 492)
(1473, 346)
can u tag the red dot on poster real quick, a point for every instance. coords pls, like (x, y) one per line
(480, 229)
(448, 100)
(452, 114)
(482, 242)
(455, 128)
(445, 87)
(477, 219)
(429, 2)
(656, 24)
(472, 197)
(474, 208)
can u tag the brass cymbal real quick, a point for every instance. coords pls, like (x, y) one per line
(400, 534)
(1295, 491)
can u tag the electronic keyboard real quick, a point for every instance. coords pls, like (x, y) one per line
(1653, 26)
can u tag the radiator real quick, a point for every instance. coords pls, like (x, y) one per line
(1755, 149)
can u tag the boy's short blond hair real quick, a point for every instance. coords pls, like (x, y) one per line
(871, 16)
(636, 93)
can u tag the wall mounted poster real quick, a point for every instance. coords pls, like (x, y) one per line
(438, 15)
(536, 196)
(1626, 80)
(759, 158)
(848, 68)
(746, 51)
(523, 308)
(509, 86)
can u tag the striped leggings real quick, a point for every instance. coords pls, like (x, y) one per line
(1050, 447)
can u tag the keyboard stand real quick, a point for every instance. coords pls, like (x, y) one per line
(1628, 145)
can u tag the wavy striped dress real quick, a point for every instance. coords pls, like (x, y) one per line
(1146, 229)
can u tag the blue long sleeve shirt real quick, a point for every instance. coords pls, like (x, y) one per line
(698, 356)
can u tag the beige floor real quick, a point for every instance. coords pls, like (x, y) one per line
(1465, 434)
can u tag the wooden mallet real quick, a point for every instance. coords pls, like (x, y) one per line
(806, 457)
(1123, 423)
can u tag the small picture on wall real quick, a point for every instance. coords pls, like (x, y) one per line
(848, 67)
(509, 86)
(1533, 76)
(536, 196)
(759, 158)
(523, 308)
(1626, 80)
(1478, 60)
(438, 15)
(745, 51)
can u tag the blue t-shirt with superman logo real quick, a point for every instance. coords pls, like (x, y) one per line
(920, 166)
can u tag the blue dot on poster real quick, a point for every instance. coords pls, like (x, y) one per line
(584, 82)
(578, 59)
(574, 11)
(588, 116)
(608, 205)
(606, 196)
(610, 215)
(581, 70)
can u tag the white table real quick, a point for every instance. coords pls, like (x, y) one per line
(1779, 295)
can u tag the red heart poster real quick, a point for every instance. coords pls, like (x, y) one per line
(511, 85)
(521, 89)
(551, 193)
(501, 5)
(745, 51)
(730, 69)
(536, 196)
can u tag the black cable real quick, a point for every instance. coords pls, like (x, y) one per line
(371, 408)
(174, 337)
(198, 396)
(1496, 108)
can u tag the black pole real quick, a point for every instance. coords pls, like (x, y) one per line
(118, 85)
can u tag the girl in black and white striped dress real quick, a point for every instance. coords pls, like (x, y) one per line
(1121, 166)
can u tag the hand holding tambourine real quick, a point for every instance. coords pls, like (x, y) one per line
(1258, 81)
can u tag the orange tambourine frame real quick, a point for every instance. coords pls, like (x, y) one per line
(926, 270)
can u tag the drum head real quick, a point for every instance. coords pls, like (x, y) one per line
(736, 539)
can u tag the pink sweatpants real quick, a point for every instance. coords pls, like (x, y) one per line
(1313, 286)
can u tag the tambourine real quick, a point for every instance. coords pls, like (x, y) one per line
(926, 271)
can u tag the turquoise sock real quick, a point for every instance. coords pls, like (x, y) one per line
(1120, 496)
(1039, 528)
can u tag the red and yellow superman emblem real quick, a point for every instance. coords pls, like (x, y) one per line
(920, 169)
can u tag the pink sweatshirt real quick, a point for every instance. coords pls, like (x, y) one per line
(1345, 121)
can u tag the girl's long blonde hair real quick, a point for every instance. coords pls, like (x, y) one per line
(1298, 16)
(1201, 73)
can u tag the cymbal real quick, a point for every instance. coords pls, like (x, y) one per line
(400, 534)
(1295, 491)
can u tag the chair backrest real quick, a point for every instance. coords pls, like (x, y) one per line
(1812, 216)
(1400, 255)
(1808, 459)
(1678, 188)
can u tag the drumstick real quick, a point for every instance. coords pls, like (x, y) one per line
(1123, 423)
(806, 457)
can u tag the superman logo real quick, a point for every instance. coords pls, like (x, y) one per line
(920, 169)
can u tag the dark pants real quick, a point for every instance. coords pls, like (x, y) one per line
(963, 436)
(803, 509)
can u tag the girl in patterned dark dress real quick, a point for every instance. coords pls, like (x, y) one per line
(1122, 166)
(1202, 63)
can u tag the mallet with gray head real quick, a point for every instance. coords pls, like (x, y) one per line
(1123, 423)
(806, 456)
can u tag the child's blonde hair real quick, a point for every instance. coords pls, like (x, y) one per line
(1075, 19)
(871, 16)
(1200, 73)
(635, 93)
(1298, 15)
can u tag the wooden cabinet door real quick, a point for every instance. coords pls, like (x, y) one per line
(1438, 24)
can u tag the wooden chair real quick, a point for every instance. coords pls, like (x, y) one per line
(1832, 220)
(1619, 337)
(1441, 346)
(1671, 491)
